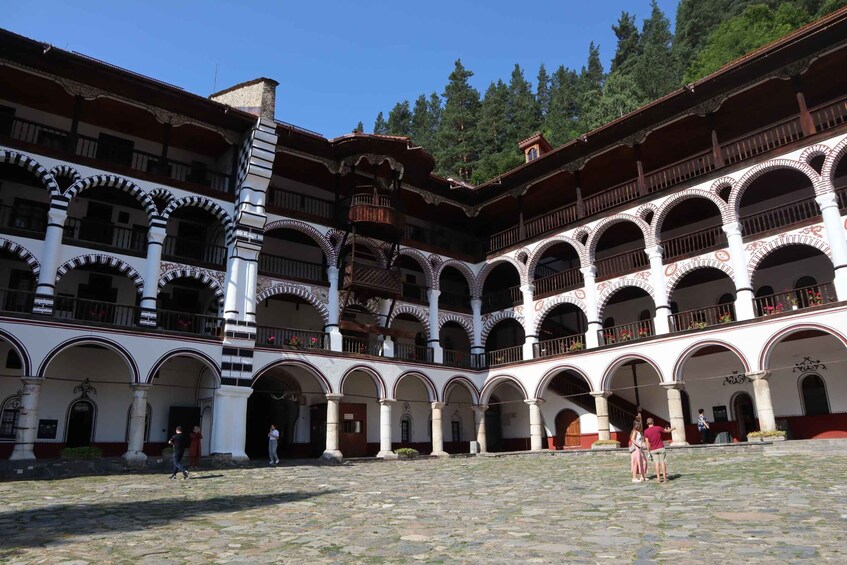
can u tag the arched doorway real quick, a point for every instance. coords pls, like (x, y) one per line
(80, 428)
(275, 400)
(567, 429)
(745, 417)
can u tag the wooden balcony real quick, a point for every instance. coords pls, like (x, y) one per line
(373, 209)
(621, 264)
(361, 346)
(188, 323)
(301, 204)
(412, 352)
(558, 346)
(98, 312)
(797, 212)
(558, 282)
(501, 299)
(16, 301)
(287, 268)
(504, 356)
(463, 359)
(291, 339)
(694, 243)
(830, 115)
(105, 235)
(194, 251)
(626, 332)
(368, 280)
(454, 301)
(797, 299)
(26, 221)
(701, 318)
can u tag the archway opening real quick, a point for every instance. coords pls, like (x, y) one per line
(691, 227)
(23, 210)
(620, 250)
(562, 331)
(411, 424)
(292, 255)
(699, 300)
(456, 345)
(501, 288)
(628, 315)
(287, 321)
(455, 293)
(779, 277)
(458, 419)
(358, 433)
(777, 199)
(414, 280)
(195, 236)
(17, 283)
(189, 305)
(566, 401)
(107, 218)
(505, 342)
(557, 270)
(97, 293)
(410, 339)
(635, 387)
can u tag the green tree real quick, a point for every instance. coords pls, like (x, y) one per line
(542, 90)
(380, 125)
(627, 34)
(400, 119)
(620, 96)
(360, 128)
(589, 86)
(524, 115)
(455, 150)
(494, 133)
(656, 70)
(562, 120)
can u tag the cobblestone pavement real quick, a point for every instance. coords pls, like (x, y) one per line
(721, 506)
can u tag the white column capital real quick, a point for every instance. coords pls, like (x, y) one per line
(140, 387)
(534, 401)
(654, 251)
(759, 375)
(334, 396)
(385, 401)
(33, 381)
(601, 393)
(156, 234)
(437, 405)
(732, 228)
(332, 272)
(432, 294)
(233, 391)
(476, 303)
(827, 200)
(57, 216)
(679, 385)
(528, 288)
(590, 271)
(479, 407)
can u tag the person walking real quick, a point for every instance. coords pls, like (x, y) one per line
(194, 448)
(703, 427)
(653, 434)
(178, 442)
(273, 441)
(637, 460)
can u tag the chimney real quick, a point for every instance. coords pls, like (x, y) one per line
(257, 96)
(535, 146)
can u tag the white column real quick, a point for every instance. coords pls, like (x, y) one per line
(834, 229)
(27, 419)
(434, 341)
(743, 287)
(234, 266)
(675, 411)
(387, 347)
(530, 337)
(229, 428)
(589, 276)
(333, 408)
(601, 406)
(50, 254)
(476, 345)
(332, 326)
(479, 422)
(152, 268)
(250, 282)
(137, 421)
(764, 404)
(437, 431)
(385, 451)
(535, 423)
(660, 290)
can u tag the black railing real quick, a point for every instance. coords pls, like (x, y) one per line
(290, 338)
(443, 238)
(106, 234)
(558, 346)
(412, 352)
(796, 299)
(361, 345)
(780, 216)
(700, 318)
(504, 356)
(297, 202)
(68, 308)
(185, 322)
(501, 299)
(462, 359)
(414, 292)
(694, 243)
(25, 219)
(454, 301)
(194, 251)
(626, 332)
(19, 301)
(558, 282)
(291, 268)
(620, 264)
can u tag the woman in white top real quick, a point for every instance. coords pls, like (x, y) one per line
(637, 460)
(273, 440)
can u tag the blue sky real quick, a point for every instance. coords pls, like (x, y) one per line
(337, 61)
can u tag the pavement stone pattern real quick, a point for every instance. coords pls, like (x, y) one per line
(720, 506)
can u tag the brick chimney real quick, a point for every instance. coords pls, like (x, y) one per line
(257, 96)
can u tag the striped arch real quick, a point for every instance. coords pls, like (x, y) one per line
(18, 347)
(494, 382)
(205, 204)
(163, 194)
(308, 230)
(460, 381)
(832, 160)
(645, 209)
(767, 167)
(683, 358)
(431, 389)
(189, 273)
(65, 171)
(194, 354)
(464, 322)
(373, 246)
(379, 382)
(489, 324)
(416, 312)
(118, 183)
(112, 345)
(326, 386)
(538, 253)
(770, 345)
(719, 184)
(421, 260)
(668, 205)
(33, 166)
(679, 272)
(619, 284)
(813, 151)
(616, 364)
(297, 290)
(23, 253)
(608, 222)
(785, 240)
(547, 305)
(558, 370)
(463, 269)
(98, 259)
(490, 266)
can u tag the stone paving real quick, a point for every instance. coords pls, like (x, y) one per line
(721, 505)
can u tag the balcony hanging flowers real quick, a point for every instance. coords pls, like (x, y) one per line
(608, 338)
(791, 298)
(643, 332)
(725, 318)
(183, 324)
(271, 339)
(576, 346)
(625, 335)
(313, 342)
(815, 297)
(295, 341)
(771, 309)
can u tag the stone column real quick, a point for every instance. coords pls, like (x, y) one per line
(601, 406)
(675, 411)
(476, 345)
(229, 424)
(333, 408)
(385, 451)
(661, 322)
(333, 310)
(152, 268)
(45, 291)
(231, 301)
(437, 431)
(764, 404)
(479, 421)
(535, 424)
(137, 421)
(530, 337)
(835, 236)
(434, 342)
(743, 287)
(250, 282)
(589, 276)
(27, 419)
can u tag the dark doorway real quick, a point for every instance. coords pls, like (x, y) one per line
(80, 424)
(567, 429)
(744, 415)
(494, 426)
(275, 400)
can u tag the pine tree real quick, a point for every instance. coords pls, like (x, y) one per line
(627, 34)
(589, 86)
(542, 91)
(380, 126)
(400, 119)
(524, 116)
(620, 96)
(656, 70)
(492, 131)
(455, 140)
(360, 128)
(561, 122)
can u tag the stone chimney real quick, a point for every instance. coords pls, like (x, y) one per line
(534, 147)
(257, 96)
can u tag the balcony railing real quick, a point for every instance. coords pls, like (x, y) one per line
(762, 140)
(626, 332)
(290, 338)
(291, 268)
(296, 202)
(796, 299)
(504, 356)
(780, 216)
(830, 115)
(558, 282)
(558, 346)
(184, 322)
(24, 219)
(442, 238)
(106, 234)
(68, 308)
(18, 301)
(622, 263)
(694, 243)
(194, 251)
(463, 359)
(455, 301)
(700, 318)
(551, 220)
(360, 345)
(681, 171)
(502, 299)
(414, 292)
(412, 352)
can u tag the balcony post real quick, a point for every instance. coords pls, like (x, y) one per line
(530, 337)
(580, 203)
(743, 288)
(717, 152)
(601, 406)
(27, 427)
(74, 132)
(152, 265)
(333, 406)
(835, 236)
(46, 290)
(437, 431)
(589, 275)
(479, 423)
(806, 121)
(535, 423)
(660, 289)
(137, 421)
(434, 342)
(387, 347)
(764, 403)
(332, 310)
(521, 227)
(229, 424)
(675, 411)
(642, 185)
(385, 451)
(476, 310)
(163, 161)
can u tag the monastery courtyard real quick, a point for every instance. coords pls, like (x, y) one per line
(722, 505)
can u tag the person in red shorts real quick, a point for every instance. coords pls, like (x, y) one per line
(653, 434)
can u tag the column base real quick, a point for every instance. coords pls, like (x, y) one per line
(387, 455)
(21, 454)
(440, 454)
(332, 455)
(679, 444)
(134, 457)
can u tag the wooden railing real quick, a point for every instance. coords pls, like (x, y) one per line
(626, 332)
(296, 202)
(796, 299)
(454, 358)
(370, 200)
(290, 338)
(15, 218)
(106, 234)
(194, 250)
(443, 238)
(681, 171)
(559, 282)
(551, 220)
(611, 197)
(454, 301)
(504, 356)
(415, 292)
(291, 268)
(700, 318)
(622, 263)
(412, 352)
(558, 346)
(361, 346)
(780, 216)
(829, 115)
(761, 141)
(68, 308)
(694, 243)
(501, 299)
(19, 301)
(504, 238)
(185, 322)
(370, 277)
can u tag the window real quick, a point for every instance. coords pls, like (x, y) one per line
(813, 391)
(9, 417)
(532, 154)
(406, 430)
(456, 428)
(30, 215)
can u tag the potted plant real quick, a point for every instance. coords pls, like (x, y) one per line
(815, 297)
(295, 341)
(772, 435)
(313, 342)
(697, 325)
(792, 298)
(725, 318)
(643, 332)
(576, 346)
(608, 338)
(625, 335)
(406, 453)
(271, 339)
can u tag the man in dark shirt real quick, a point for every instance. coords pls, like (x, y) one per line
(178, 442)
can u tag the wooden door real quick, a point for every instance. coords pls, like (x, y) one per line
(567, 429)
(353, 430)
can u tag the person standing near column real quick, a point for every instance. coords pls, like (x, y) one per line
(273, 441)
(178, 442)
(703, 427)
(194, 448)
(653, 434)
